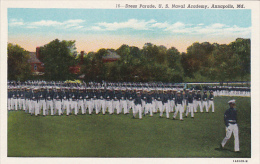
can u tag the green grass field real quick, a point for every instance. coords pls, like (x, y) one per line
(122, 136)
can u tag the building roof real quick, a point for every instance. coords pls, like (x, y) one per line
(33, 58)
(111, 55)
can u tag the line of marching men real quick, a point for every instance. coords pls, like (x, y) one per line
(65, 100)
(231, 91)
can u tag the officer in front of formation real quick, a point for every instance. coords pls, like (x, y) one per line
(230, 119)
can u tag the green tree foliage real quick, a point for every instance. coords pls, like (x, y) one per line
(152, 63)
(196, 57)
(242, 49)
(218, 62)
(202, 62)
(18, 66)
(58, 56)
(221, 65)
(93, 67)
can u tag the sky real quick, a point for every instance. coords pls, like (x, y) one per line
(93, 29)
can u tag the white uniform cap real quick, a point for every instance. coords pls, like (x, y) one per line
(232, 101)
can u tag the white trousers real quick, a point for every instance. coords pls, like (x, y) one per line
(49, 105)
(42, 105)
(150, 108)
(195, 105)
(9, 103)
(116, 106)
(102, 105)
(199, 104)
(74, 105)
(143, 105)
(232, 128)
(81, 106)
(171, 105)
(95, 105)
(58, 106)
(167, 109)
(138, 109)
(205, 104)
(98, 106)
(178, 108)
(27, 105)
(21, 103)
(34, 107)
(190, 108)
(154, 107)
(211, 103)
(109, 106)
(66, 105)
(123, 104)
(14, 104)
(130, 104)
(160, 106)
(88, 104)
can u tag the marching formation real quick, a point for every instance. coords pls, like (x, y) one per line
(77, 99)
(231, 91)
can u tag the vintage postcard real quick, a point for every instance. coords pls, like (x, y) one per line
(129, 81)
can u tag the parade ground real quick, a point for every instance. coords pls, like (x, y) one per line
(122, 136)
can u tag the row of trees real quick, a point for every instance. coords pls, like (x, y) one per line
(201, 62)
(152, 63)
(215, 62)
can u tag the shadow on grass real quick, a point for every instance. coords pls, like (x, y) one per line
(224, 149)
